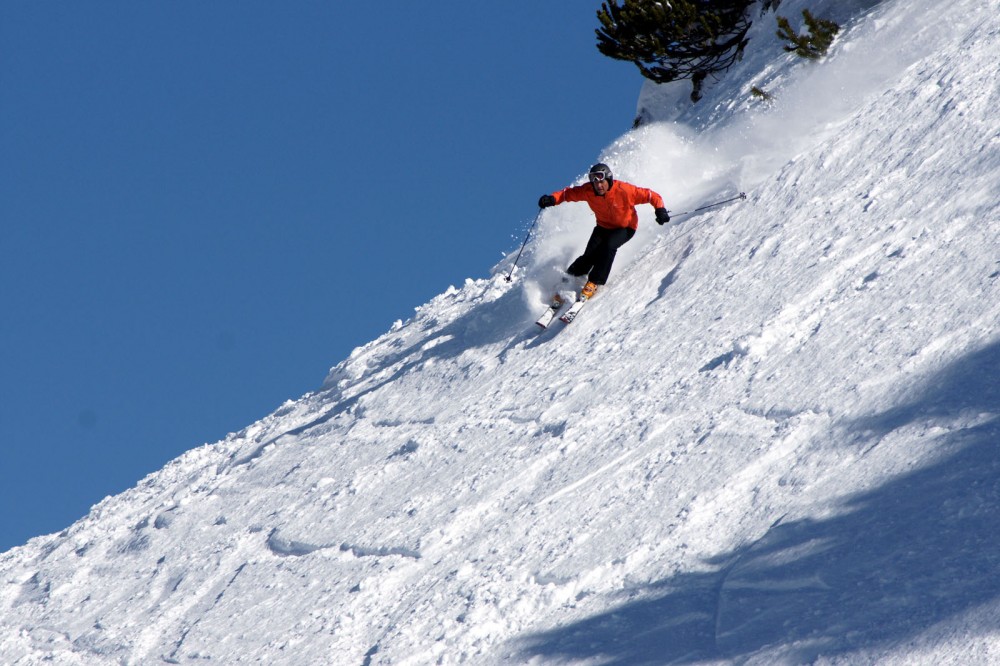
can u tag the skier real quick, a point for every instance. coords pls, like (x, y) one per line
(613, 203)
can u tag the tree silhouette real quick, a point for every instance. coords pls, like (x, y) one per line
(680, 39)
(813, 44)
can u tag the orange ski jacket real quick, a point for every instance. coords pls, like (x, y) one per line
(616, 209)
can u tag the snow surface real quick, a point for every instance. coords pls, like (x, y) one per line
(771, 439)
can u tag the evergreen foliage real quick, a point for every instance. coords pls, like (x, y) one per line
(812, 44)
(676, 40)
(761, 94)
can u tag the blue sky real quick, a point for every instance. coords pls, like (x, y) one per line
(205, 206)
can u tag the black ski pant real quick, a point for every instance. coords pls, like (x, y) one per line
(600, 253)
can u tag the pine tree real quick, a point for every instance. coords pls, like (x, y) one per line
(812, 44)
(676, 40)
(761, 94)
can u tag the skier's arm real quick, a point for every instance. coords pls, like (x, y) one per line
(577, 193)
(644, 195)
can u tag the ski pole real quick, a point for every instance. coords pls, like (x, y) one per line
(741, 195)
(518, 258)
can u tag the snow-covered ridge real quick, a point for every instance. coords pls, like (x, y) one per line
(770, 439)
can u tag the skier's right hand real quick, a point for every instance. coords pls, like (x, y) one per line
(546, 200)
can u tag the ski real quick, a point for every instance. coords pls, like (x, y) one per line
(550, 312)
(568, 316)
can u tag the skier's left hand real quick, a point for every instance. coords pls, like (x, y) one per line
(662, 216)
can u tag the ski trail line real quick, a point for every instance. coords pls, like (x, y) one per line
(604, 468)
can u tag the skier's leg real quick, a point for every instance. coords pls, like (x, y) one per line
(604, 255)
(585, 262)
(580, 266)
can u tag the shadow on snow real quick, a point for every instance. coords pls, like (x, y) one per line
(919, 549)
(484, 324)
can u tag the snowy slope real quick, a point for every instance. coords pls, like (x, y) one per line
(771, 439)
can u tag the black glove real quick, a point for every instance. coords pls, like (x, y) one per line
(546, 200)
(662, 216)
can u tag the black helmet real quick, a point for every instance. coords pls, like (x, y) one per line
(600, 171)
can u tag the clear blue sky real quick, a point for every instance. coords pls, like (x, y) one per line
(206, 205)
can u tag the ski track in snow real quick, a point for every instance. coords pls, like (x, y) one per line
(769, 440)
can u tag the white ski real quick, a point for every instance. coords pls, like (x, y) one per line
(550, 312)
(568, 316)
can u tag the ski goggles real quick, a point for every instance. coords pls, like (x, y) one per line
(597, 176)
